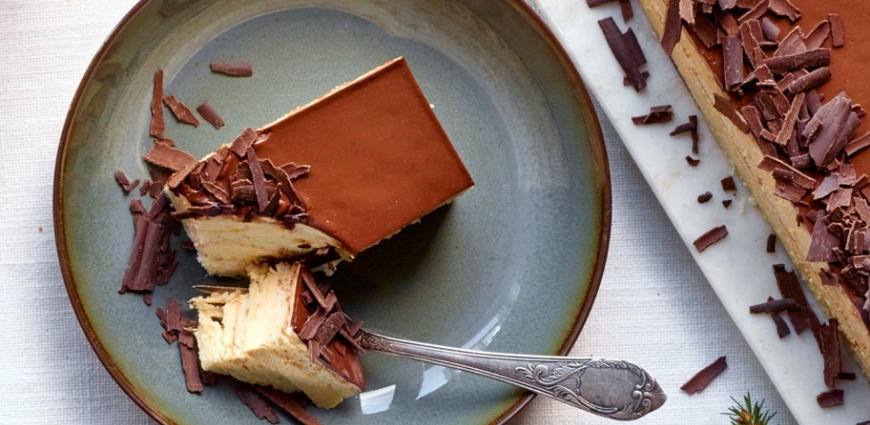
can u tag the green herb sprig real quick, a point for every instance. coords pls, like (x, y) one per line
(749, 413)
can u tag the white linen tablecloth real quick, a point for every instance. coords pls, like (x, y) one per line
(654, 306)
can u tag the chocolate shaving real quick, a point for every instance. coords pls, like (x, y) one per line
(687, 11)
(624, 54)
(857, 144)
(627, 12)
(211, 210)
(830, 398)
(769, 29)
(727, 203)
(657, 115)
(703, 378)
(248, 395)
(684, 128)
(626, 82)
(290, 403)
(181, 112)
(830, 341)
(239, 69)
(158, 125)
(811, 80)
(182, 174)
(786, 9)
(243, 142)
(726, 108)
(732, 59)
(190, 364)
(781, 327)
(775, 306)
(706, 31)
(673, 27)
(802, 317)
(847, 376)
(217, 190)
(634, 48)
(755, 13)
(771, 243)
(125, 183)
(258, 179)
(728, 184)
(295, 171)
(804, 60)
(209, 114)
(168, 157)
(837, 34)
(692, 161)
(705, 197)
(711, 237)
(816, 38)
(791, 44)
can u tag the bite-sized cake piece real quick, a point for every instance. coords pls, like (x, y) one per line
(324, 182)
(285, 331)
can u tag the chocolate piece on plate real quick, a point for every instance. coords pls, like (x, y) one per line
(237, 69)
(209, 114)
(703, 378)
(711, 237)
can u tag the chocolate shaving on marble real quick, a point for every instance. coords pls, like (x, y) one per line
(802, 317)
(703, 378)
(711, 237)
(728, 184)
(167, 157)
(781, 327)
(830, 398)
(726, 108)
(847, 376)
(830, 342)
(727, 203)
(158, 124)
(692, 161)
(625, 55)
(294, 404)
(673, 27)
(236, 69)
(181, 112)
(837, 34)
(125, 183)
(209, 114)
(657, 115)
(775, 306)
(251, 398)
(771, 243)
(705, 197)
(625, 8)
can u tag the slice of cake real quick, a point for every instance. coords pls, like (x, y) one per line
(285, 331)
(783, 98)
(324, 182)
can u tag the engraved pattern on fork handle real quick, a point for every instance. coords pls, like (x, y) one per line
(556, 377)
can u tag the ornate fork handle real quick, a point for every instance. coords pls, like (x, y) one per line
(615, 389)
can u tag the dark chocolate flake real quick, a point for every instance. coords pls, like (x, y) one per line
(732, 59)
(703, 378)
(837, 34)
(181, 112)
(237, 69)
(811, 80)
(168, 157)
(623, 52)
(692, 161)
(657, 115)
(831, 351)
(241, 144)
(771, 243)
(711, 237)
(782, 329)
(248, 395)
(728, 184)
(705, 197)
(125, 183)
(830, 398)
(627, 12)
(673, 27)
(727, 203)
(158, 125)
(726, 108)
(785, 9)
(209, 114)
(775, 306)
(259, 179)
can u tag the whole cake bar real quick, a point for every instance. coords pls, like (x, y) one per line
(781, 84)
(324, 182)
(282, 331)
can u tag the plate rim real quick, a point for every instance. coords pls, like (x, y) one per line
(596, 141)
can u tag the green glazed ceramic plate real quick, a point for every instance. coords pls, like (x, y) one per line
(511, 266)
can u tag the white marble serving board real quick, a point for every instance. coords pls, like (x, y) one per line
(738, 268)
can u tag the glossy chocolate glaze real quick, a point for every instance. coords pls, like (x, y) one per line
(347, 365)
(379, 157)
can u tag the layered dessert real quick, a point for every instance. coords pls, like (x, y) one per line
(284, 331)
(324, 182)
(780, 84)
